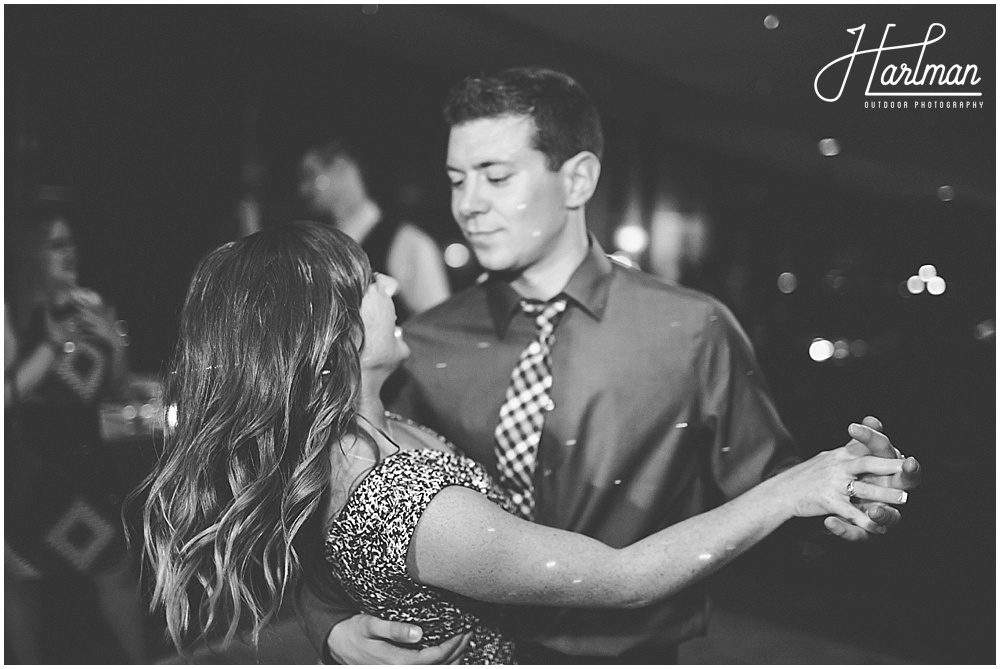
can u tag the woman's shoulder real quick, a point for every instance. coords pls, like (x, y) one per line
(410, 479)
(425, 471)
(419, 435)
(392, 496)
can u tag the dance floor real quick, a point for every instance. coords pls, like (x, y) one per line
(734, 638)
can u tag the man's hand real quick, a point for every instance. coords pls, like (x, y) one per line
(365, 639)
(868, 439)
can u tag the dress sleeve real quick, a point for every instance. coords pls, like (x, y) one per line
(750, 443)
(370, 540)
(417, 478)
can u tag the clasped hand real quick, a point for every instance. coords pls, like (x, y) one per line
(91, 317)
(867, 439)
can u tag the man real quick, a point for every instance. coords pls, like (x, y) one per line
(650, 404)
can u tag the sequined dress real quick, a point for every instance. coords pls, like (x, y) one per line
(367, 545)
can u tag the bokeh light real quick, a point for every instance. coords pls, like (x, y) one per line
(985, 330)
(935, 285)
(787, 282)
(926, 272)
(915, 285)
(457, 255)
(771, 22)
(859, 348)
(946, 193)
(829, 146)
(821, 350)
(632, 238)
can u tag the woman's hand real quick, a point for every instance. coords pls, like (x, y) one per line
(96, 318)
(826, 484)
(99, 323)
(59, 331)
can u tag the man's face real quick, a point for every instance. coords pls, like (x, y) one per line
(327, 186)
(508, 203)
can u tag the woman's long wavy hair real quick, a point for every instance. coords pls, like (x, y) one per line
(265, 378)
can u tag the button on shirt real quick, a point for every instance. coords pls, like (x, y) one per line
(660, 412)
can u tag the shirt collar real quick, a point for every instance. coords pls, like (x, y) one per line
(588, 288)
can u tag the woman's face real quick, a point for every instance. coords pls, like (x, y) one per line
(59, 256)
(384, 347)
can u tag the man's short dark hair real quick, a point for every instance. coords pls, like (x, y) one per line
(335, 148)
(566, 120)
(339, 148)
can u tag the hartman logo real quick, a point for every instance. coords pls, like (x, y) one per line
(902, 71)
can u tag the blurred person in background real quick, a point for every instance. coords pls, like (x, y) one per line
(64, 354)
(332, 182)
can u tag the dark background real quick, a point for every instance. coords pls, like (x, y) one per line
(148, 118)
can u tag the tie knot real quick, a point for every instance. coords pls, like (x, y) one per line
(544, 311)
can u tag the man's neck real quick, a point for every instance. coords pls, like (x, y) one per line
(358, 220)
(548, 278)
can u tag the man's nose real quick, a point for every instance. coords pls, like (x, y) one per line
(471, 201)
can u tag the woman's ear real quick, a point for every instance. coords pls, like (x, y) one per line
(580, 174)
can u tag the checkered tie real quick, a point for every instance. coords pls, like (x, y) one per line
(523, 412)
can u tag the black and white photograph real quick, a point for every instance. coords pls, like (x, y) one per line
(500, 334)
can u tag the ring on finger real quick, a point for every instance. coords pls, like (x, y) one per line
(851, 492)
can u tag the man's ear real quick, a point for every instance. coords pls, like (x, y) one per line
(580, 174)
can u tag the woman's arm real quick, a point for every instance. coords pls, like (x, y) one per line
(9, 359)
(465, 544)
(26, 375)
(99, 318)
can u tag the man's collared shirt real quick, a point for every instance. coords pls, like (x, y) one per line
(661, 412)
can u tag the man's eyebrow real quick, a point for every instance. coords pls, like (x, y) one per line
(481, 166)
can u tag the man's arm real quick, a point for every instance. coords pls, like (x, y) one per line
(750, 441)
(341, 635)
(318, 616)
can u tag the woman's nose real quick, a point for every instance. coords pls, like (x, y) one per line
(389, 285)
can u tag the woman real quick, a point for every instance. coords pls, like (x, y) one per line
(282, 445)
(62, 522)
